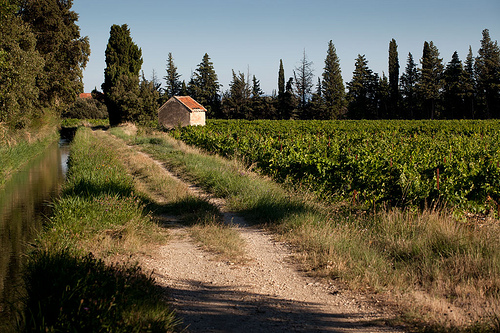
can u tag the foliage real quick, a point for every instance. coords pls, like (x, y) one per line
(400, 163)
(20, 65)
(58, 41)
(86, 108)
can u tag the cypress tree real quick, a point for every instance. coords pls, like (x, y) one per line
(393, 80)
(121, 75)
(64, 51)
(333, 89)
(487, 68)
(281, 91)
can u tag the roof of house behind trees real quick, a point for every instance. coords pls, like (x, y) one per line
(190, 103)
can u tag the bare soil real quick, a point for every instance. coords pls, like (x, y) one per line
(267, 293)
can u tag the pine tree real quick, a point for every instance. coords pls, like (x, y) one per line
(173, 84)
(431, 78)
(409, 82)
(121, 75)
(205, 87)
(454, 78)
(236, 102)
(332, 88)
(317, 107)
(487, 68)
(148, 97)
(393, 80)
(362, 91)
(59, 42)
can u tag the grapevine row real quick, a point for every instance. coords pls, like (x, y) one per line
(399, 163)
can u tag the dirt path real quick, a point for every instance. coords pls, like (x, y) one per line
(266, 294)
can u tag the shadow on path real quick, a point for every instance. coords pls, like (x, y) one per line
(211, 308)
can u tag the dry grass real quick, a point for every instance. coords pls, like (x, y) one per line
(221, 239)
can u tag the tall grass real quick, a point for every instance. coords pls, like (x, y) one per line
(18, 147)
(71, 283)
(444, 270)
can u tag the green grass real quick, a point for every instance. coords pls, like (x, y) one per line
(70, 286)
(446, 270)
(202, 217)
(17, 148)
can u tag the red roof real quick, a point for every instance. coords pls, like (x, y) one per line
(85, 95)
(190, 103)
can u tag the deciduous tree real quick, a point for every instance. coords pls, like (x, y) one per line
(303, 75)
(20, 66)
(64, 51)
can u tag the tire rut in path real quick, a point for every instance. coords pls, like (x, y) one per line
(266, 294)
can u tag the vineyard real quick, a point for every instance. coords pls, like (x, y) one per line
(395, 163)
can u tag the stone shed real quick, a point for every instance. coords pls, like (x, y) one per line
(181, 111)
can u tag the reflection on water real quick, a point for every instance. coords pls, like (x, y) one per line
(23, 206)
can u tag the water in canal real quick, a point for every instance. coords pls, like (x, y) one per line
(24, 206)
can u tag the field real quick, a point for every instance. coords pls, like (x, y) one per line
(373, 163)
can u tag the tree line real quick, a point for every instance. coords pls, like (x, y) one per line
(42, 57)
(428, 90)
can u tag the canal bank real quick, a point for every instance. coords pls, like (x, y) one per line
(25, 199)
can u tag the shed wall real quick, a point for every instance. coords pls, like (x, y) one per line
(198, 118)
(173, 114)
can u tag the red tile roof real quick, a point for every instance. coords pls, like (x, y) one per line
(190, 103)
(85, 95)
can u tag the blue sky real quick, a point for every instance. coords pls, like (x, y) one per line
(252, 36)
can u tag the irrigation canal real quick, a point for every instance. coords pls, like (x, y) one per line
(24, 206)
